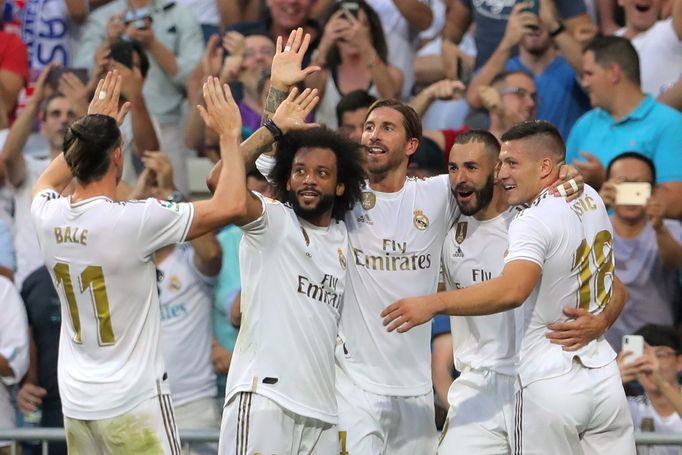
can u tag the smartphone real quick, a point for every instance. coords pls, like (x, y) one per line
(634, 344)
(56, 74)
(351, 7)
(534, 6)
(633, 193)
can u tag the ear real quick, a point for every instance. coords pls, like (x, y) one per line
(118, 156)
(615, 73)
(288, 185)
(340, 189)
(411, 146)
(546, 167)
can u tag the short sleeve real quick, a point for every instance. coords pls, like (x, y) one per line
(163, 223)
(39, 204)
(667, 159)
(14, 344)
(265, 164)
(14, 55)
(7, 253)
(573, 141)
(440, 325)
(270, 226)
(529, 240)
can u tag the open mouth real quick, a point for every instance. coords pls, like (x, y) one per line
(376, 150)
(309, 195)
(509, 187)
(642, 7)
(465, 196)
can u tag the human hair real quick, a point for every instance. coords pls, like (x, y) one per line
(501, 78)
(376, 32)
(615, 50)
(357, 99)
(661, 335)
(541, 130)
(485, 137)
(411, 120)
(46, 102)
(636, 156)
(349, 164)
(88, 145)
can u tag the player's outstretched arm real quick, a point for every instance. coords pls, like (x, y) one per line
(290, 115)
(231, 202)
(503, 293)
(585, 326)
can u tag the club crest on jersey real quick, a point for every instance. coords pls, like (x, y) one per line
(420, 220)
(174, 283)
(461, 231)
(368, 200)
(342, 259)
(168, 205)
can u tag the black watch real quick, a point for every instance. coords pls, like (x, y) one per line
(558, 31)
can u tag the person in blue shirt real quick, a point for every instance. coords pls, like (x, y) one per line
(624, 118)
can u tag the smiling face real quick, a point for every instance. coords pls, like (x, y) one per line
(471, 169)
(520, 172)
(385, 138)
(289, 14)
(641, 15)
(258, 53)
(55, 120)
(313, 183)
(519, 98)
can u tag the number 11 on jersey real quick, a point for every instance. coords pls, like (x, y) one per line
(91, 280)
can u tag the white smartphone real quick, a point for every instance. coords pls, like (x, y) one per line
(634, 344)
(633, 193)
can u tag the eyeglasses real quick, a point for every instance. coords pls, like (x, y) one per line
(520, 93)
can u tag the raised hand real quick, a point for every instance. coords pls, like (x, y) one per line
(131, 81)
(160, 165)
(106, 97)
(75, 91)
(291, 114)
(221, 113)
(42, 89)
(286, 64)
(212, 60)
(446, 89)
(519, 23)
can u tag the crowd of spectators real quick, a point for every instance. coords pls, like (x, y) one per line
(607, 73)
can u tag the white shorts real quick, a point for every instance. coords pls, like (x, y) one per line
(254, 424)
(581, 412)
(379, 424)
(148, 429)
(481, 414)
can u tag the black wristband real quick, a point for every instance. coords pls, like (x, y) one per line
(558, 31)
(273, 128)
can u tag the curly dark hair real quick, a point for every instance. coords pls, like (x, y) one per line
(349, 163)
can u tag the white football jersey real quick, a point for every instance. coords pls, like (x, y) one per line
(186, 298)
(573, 244)
(473, 253)
(293, 278)
(396, 241)
(99, 253)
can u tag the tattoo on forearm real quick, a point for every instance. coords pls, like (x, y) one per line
(274, 99)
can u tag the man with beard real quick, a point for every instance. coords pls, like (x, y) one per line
(481, 413)
(563, 100)
(280, 387)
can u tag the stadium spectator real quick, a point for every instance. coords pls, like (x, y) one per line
(75, 236)
(351, 111)
(188, 274)
(510, 98)
(56, 113)
(14, 352)
(13, 75)
(171, 37)
(549, 53)
(660, 407)
(658, 43)
(491, 18)
(39, 392)
(535, 267)
(648, 249)
(624, 118)
(8, 259)
(353, 55)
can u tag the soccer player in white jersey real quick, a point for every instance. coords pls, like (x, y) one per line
(481, 414)
(112, 379)
(560, 255)
(293, 259)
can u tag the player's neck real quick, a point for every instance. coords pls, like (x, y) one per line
(106, 187)
(497, 205)
(628, 229)
(321, 220)
(390, 181)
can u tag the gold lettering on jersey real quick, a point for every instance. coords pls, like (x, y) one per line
(395, 258)
(71, 234)
(420, 220)
(324, 292)
(368, 200)
(461, 232)
(583, 205)
(342, 259)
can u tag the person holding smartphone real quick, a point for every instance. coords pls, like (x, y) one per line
(647, 247)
